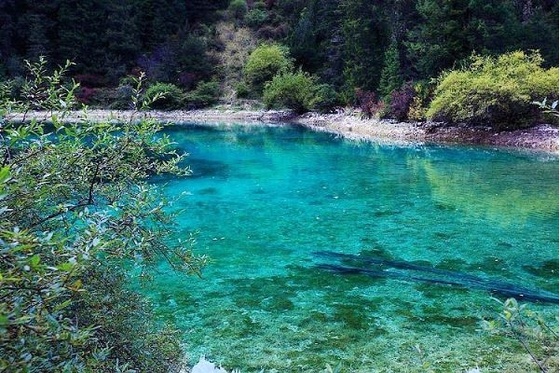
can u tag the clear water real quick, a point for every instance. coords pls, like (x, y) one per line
(265, 199)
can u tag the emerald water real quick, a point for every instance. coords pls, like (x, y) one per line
(265, 199)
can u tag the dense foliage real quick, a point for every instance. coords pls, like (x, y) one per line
(265, 62)
(76, 218)
(497, 91)
(164, 96)
(293, 90)
(350, 45)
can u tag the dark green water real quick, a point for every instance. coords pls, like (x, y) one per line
(264, 199)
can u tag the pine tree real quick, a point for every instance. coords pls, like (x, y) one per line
(82, 34)
(330, 42)
(37, 27)
(122, 42)
(439, 39)
(391, 76)
(539, 28)
(365, 38)
(302, 42)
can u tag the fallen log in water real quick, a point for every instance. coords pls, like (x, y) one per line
(406, 271)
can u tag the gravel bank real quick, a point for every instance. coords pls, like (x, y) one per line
(543, 137)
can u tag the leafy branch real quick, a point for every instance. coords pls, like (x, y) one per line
(529, 329)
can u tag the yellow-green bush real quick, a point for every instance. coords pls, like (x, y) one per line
(299, 92)
(164, 96)
(294, 91)
(494, 90)
(266, 61)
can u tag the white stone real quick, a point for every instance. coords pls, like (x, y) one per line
(204, 366)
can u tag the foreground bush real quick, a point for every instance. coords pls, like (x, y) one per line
(530, 330)
(495, 91)
(75, 211)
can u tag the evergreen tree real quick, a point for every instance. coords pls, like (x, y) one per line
(439, 39)
(204, 11)
(539, 28)
(402, 16)
(37, 28)
(82, 34)
(391, 76)
(123, 43)
(365, 38)
(9, 46)
(493, 27)
(330, 41)
(302, 41)
(450, 31)
(344, 42)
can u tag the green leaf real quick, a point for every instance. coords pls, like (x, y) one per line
(63, 305)
(65, 267)
(4, 174)
(34, 261)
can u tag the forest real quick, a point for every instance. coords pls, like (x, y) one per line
(379, 54)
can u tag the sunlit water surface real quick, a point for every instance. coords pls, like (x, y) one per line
(266, 199)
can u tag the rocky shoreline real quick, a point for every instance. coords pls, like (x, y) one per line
(347, 124)
(543, 137)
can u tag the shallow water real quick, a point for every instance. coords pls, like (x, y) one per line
(265, 199)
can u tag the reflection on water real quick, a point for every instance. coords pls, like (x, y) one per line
(266, 199)
(473, 189)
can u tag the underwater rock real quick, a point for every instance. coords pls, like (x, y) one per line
(204, 366)
(402, 270)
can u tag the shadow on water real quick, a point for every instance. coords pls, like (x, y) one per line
(380, 267)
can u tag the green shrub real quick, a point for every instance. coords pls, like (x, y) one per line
(291, 90)
(112, 98)
(77, 214)
(256, 18)
(326, 98)
(535, 334)
(238, 8)
(205, 94)
(423, 92)
(265, 62)
(496, 91)
(242, 90)
(164, 96)
(123, 94)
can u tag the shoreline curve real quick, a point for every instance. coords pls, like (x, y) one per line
(345, 123)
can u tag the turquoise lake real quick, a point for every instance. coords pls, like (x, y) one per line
(415, 220)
